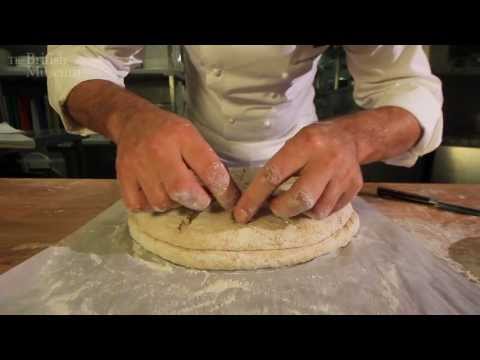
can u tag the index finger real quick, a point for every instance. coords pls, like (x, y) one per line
(279, 168)
(206, 164)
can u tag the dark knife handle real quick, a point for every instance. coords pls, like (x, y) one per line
(419, 199)
(458, 209)
(395, 194)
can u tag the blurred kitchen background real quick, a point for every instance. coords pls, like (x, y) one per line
(33, 142)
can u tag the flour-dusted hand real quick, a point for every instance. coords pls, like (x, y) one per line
(162, 160)
(327, 156)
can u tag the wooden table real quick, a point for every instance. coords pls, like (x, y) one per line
(37, 213)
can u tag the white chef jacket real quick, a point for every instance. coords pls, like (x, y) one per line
(247, 100)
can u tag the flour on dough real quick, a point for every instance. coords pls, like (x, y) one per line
(212, 240)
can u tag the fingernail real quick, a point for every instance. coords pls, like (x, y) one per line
(323, 214)
(201, 205)
(229, 202)
(317, 215)
(218, 178)
(278, 214)
(133, 208)
(242, 216)
(187, 200)
(300, 203)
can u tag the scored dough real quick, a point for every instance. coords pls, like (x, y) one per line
(212, 240)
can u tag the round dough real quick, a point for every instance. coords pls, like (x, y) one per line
(212, 259)
(212, 240)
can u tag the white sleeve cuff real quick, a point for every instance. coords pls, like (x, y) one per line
(64, 75)
(425, 107)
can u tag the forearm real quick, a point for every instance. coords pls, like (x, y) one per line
(381, 133)
(104, 107)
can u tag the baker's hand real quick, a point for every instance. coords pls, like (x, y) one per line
(324, 156)
(163, 162)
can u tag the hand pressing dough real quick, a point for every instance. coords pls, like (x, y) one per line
(212, 240)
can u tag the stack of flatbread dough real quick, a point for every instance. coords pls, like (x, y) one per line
(212, 240)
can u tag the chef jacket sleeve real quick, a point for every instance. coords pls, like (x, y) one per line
(399, 75)
(68, 65)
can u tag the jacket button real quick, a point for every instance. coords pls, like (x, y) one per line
(217, 72)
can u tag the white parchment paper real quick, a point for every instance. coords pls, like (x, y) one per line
(98, 270)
